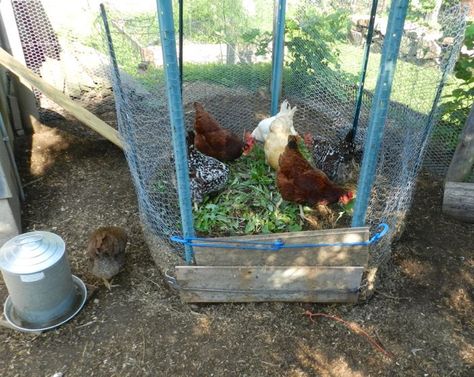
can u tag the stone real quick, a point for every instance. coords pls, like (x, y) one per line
(356, 37)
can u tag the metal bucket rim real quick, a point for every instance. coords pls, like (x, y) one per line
(7, 307)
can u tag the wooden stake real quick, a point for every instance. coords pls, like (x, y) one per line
(463, 158)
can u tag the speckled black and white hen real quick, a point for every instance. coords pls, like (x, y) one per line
(338, 159)
(206, 174)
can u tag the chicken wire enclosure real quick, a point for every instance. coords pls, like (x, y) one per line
(227, 65)
(57, 43)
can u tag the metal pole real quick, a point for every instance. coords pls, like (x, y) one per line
(181, 35)
(378, 114)
(168, 46)
(124, 117)
(360, 91)
(124, 121)
(110, 47)
(278, 52)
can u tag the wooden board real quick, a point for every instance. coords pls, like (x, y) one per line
(309, 256)
(463, 158)
(15, 114)
(277, 283)
(60, 98)
(458, 200)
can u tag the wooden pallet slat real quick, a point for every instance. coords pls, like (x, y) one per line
(263, 283)
(308, 256)
(241, 272)
(327, 297)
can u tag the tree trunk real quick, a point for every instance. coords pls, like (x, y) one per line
(230, 54)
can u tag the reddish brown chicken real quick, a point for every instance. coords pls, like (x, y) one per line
(300, 183)
(106, 252)
(215, 141)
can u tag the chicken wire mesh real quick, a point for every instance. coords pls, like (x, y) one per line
(227, 67)
(57, 44)
(427, 55)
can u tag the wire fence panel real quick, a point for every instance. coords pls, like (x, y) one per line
(227, 65)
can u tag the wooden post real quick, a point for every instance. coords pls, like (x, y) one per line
(463, 159)
(458, 200)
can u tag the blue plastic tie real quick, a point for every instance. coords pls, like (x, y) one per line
(276, 245)
(377, 236)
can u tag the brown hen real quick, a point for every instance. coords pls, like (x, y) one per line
(300, 183)
(215, 141)
(106, 252)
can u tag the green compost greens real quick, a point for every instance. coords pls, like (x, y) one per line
(251, 204)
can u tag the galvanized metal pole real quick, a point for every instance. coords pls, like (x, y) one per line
(378, 114)
(363, 73)
(170, 64)
(123, 119)
(278, 54)
(110, 47)
(181, 39)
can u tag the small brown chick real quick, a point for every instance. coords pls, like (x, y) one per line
(106, 252)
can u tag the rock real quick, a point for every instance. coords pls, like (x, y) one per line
(363, 21)
(381, 25)
(356, 37)
(447, 41)
(435, 49)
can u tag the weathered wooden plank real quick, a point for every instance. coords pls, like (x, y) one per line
(202, 296)
(324, 256)
(308, 256)
(86, 117)
(278, 283)
(15, 115)
(458, 200)
(463, 158)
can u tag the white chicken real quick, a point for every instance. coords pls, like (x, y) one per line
(277, 139)
(261, 132)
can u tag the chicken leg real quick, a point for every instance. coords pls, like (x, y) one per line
(302, 212)
(108, 284)
(277, 206)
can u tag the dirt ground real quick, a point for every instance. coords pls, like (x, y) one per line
(422, 311)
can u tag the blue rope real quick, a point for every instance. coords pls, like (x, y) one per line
(274, 245)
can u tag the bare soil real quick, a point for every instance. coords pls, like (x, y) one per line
(422, 311)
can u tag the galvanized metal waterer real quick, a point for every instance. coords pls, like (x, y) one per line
(42, 292)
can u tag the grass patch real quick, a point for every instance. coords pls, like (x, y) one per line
(230, 75)
(414, 85)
